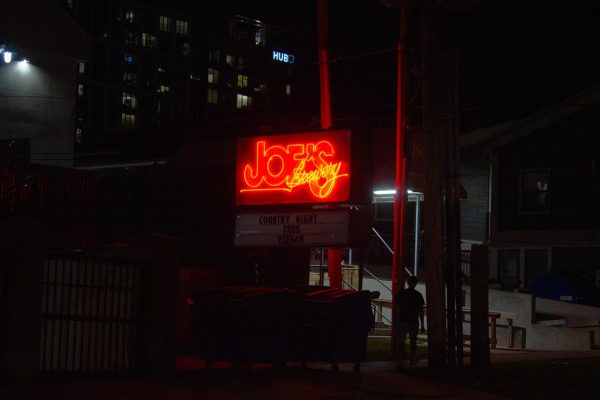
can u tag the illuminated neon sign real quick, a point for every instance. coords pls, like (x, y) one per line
(296, 168)
(283, 57)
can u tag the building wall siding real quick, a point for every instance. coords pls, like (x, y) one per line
(474, 178)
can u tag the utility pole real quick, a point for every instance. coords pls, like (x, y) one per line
(452, 208)
(323, 20)
(398, 276)
(441, 222)
(334, 256)
(432, 64)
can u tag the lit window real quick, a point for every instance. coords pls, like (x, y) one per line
(533, 193)
(128, 120)
(129, 77)
(129, 15)
(214, 55)
(242, 81)
(164, 24)
(129, 100)
(243, 101)
(258, 37)
(81, 68)
(129, 58)
(80, 89)
(181, 27)
(163, 89)
(148, 40)
(78, 135)
(288, 89)
(213, 75)
(229, 59)
(212, 96)
(185, 49)
(161, 69)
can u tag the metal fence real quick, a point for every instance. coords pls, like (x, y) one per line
(59, 195)
(89, 314)
(465, 263)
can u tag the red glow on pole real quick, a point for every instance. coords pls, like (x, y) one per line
(334, 258)
(326, 121)
(323, 17)
(397, 268)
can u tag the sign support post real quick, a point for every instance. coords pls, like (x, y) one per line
(334, 255)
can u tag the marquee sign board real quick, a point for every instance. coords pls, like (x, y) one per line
(293, 229)
(297, 168)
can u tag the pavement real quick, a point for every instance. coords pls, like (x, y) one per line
(376, 380)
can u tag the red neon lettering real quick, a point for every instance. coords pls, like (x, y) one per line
(279, 168)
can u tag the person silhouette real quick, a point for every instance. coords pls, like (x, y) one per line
(409, 311)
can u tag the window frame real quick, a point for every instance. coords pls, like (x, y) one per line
(522, 191)
(213, 76)
(129, 100)
(212, 95)
(242, 81)
(165, 24)
(243, 101)
(127, 120)
(181, 27)
(499, 254)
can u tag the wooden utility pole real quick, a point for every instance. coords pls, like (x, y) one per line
(432, 64)
(452, 209)
(439, 120)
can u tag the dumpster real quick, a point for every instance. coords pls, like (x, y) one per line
(334, 326)
(242, 325)
(245, 325)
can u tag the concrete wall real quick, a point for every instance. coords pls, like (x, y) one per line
(575, 315)
(537, 336)
(37, 101)
(583, 318)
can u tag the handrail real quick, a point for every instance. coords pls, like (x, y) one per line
(388, 247)
(377, 279)
(381, 314)
(493, 317)
(350, 285)
(375, 309)
(382, 240)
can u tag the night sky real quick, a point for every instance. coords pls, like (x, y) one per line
(517, 56)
